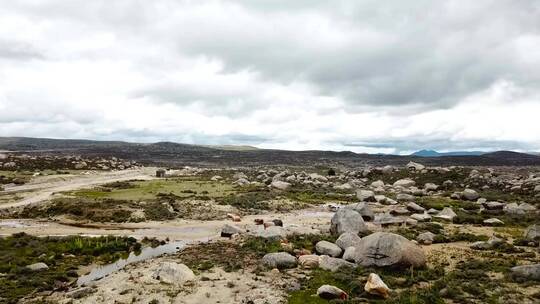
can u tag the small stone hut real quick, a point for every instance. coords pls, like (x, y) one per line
(160, 173)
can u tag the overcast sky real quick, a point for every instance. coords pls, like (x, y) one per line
(365, 76)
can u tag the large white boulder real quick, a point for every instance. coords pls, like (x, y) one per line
(173, 273)
(347, 220)
(38, 266)
(280, 185)
(388, 249)
(470, 194)
(279, 260)
(347, 239)
(405, 183)
(327, 248)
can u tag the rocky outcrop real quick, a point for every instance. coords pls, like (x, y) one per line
(426, 238)
(308, 261)
(470, 194)
(327, 248)
(348, 255)
(365, 195)
(446, 214)
(329, 292)
(532, 233)
(347, 239)
(526, 272)
(173, 273)
(388, 249)
(37, 267)
(279, 260)
(333, 264)
(364, 210)
(280, 185)
(376, 286)
(229, 230)
(405, 183)
(347, 220)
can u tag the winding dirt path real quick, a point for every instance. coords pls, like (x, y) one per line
(41, 189)
(174, 230)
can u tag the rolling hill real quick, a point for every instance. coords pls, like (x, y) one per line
(176, 154)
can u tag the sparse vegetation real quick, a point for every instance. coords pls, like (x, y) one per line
(63, 255)
(148, 190)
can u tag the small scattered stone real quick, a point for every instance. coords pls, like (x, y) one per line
(470, 194)
(308, 261)
(327, 248)
(376, 286)
(279, 260)
(333, 264)
(229, 230)
(494, 222)
(426, 238)
(446, 214)
(329, 292)
(413, 207)
(38, 266)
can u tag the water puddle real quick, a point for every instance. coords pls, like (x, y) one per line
(188, 231)
(145, 254)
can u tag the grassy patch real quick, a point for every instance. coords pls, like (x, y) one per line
(459, 237)
(63, 255)
(15, 177)
(470, 282)
(257, 200)
(147, 190)
(412, 232)
(312, 195)
(439, 203)
(475, 218)
(458, 175)
(229, 256)
(262, 246)
(353, 281)
(105, 210)
(501, 195)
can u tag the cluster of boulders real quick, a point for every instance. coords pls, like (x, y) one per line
(403, 210)
(374, 285)
(354, 179)
(186, 171)
(282, 180)
(508, 181)
(379, 249)
(14, 162)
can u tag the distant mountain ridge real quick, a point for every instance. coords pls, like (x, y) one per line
(170, 154)
(433, 153)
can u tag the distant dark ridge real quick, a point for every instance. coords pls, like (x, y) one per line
(433, 153)
(29, 143)
(177, 154)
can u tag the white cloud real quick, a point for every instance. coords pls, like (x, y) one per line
(358, 75)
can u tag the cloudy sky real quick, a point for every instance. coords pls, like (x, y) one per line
(365, 76)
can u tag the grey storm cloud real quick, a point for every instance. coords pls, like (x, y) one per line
(373, 53)
(15, 50)
(392, 53)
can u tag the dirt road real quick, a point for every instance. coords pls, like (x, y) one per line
(41, 189)
(174, 230)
